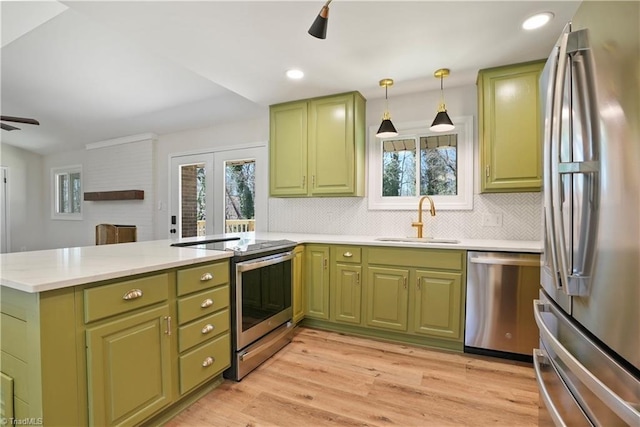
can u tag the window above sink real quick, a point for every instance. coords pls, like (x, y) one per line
(420, 162)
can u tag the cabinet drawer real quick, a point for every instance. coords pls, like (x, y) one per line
(201, 330)
(204, 362)
(348, 254)
(18, 371)
(203, 277)
(13, 333)
(446, 259)
(108, 300)
(203, 303)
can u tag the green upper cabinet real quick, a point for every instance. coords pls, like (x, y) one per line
(288, 149)
(510, 128)
(316, 147)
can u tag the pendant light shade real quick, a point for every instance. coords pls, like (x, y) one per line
(387, 129)
(319, 27)
(442, 122)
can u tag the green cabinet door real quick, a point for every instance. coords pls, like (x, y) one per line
(317, 147)
(510, 128)
(334, 145)
(387, 298)
(129, 368)
(438, 304)
(288, 149)
(317, 267)
(346, 294)
(297, 299)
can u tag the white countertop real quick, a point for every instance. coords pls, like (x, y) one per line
(39, 271)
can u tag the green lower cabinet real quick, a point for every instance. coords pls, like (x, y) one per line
(317, 292)
(346, 294)
(387, 298)
(437, 298)
(129, 368)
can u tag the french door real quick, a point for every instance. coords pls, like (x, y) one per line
(208, 192)
(192, 187)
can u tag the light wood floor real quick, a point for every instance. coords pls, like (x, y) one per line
(328, 379)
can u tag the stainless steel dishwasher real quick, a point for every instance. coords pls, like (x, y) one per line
(501, 287)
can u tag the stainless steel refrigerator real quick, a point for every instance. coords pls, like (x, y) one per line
(588, 314)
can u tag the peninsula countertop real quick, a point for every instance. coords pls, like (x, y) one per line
(39, 271)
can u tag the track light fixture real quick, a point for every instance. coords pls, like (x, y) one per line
(386, 129)
(442, 122)
(319, 27)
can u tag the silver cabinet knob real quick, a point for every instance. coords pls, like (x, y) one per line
(207, 328)
(208, 362)
(206, 303)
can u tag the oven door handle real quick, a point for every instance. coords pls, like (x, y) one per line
(241, 267)
(258, 350)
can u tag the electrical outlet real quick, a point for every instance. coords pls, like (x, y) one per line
(492, 220)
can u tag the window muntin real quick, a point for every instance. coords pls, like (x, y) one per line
(67, 192)
(419, 162)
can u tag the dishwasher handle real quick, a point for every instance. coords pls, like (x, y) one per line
(520, 262)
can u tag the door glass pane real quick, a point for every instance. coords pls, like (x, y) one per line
(193, 200)
(240, 194)
(399, 167)
(439, 165)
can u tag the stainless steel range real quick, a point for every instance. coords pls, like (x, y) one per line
(261, 279)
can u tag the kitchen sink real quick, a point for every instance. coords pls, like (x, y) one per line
(426, 240)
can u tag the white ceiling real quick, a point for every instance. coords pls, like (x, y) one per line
(96, 70)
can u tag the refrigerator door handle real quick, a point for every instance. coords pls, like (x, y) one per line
(550, 256)
(556, 185)
(586, 172)
(623, 409)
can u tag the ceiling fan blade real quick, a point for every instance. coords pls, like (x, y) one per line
(5, 126)
(19, 120)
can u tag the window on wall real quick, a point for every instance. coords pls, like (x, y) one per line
(418, 162)
(67, 192)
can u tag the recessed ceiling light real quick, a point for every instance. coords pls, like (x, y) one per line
(537, 21)
(295, 74)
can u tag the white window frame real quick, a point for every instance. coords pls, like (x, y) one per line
(74, 216)
(462, 201)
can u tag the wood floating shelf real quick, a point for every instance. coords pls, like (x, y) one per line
(98, 196)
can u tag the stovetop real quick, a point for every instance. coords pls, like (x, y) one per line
(241, 246)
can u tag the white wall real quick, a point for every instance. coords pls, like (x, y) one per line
(127, 166)
(194, 141)
(24, 197)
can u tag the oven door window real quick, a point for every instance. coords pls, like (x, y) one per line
(266, 291)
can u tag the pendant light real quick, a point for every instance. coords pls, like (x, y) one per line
(386, 129)
(442, 122)
(319, 27)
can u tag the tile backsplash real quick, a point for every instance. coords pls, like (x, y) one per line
(520, 215)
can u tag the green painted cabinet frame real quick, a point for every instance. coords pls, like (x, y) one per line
(297, 289)
(317, 147)
(510, 128)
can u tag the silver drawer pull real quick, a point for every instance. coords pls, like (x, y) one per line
(132, 294)
(347, 254)
(208, 328)
(206, 277)
(206, 303)
(208, 361)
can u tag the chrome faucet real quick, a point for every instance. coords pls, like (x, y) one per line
(419, 225)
